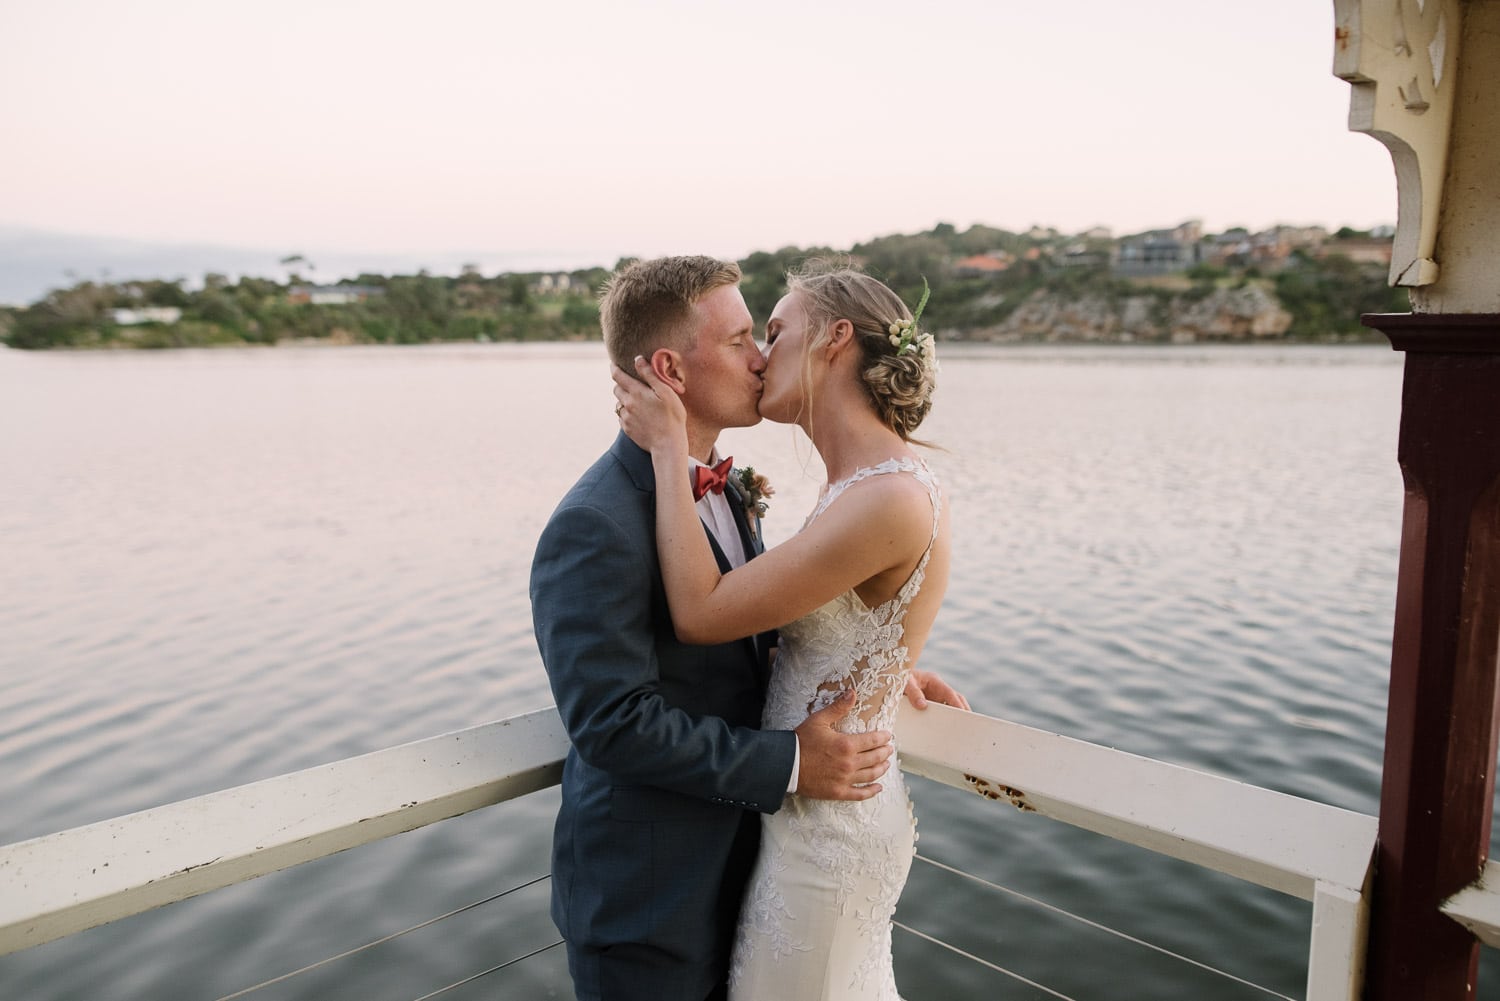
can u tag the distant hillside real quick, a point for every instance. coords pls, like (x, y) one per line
(987, 284)
(1168, 286)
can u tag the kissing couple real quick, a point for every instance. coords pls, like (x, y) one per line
(730, 824)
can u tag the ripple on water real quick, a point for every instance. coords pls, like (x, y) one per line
(1187, 555)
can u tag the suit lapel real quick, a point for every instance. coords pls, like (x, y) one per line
(713, 543)
(751, 539)
(749, 534)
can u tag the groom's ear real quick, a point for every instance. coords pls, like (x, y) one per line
(667, 364)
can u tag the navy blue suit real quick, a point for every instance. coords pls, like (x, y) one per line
(658, 826)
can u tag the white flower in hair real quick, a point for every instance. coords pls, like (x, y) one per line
(906, 338)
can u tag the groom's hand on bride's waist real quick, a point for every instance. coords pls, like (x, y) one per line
(837, 765)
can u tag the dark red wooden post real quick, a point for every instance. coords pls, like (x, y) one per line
(1438, 785)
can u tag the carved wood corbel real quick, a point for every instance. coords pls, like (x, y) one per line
(1400, 58)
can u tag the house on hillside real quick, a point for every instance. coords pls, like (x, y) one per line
(1364, 249)
(1085, 254)
(145, 314)
(983, 265)
(1229, 249)
(1272, 247)
(561, 282)
(1159, 252)
(332, 295)
(1189, 232)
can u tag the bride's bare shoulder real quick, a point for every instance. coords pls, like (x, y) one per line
(885, 505)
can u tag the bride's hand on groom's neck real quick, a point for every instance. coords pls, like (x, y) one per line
(651, 411)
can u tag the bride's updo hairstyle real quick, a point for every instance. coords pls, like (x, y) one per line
(898, 377)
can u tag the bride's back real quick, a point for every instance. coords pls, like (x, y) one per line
(869, 637)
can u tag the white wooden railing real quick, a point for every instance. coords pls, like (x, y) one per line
(63, 883)
(1477, 907)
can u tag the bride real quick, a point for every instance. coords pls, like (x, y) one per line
(854, 594)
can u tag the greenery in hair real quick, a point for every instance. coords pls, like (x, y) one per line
(916, 314)
(906, 338)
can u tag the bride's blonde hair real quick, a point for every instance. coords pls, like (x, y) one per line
(898, 384)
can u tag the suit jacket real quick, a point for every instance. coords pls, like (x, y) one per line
(654, 839)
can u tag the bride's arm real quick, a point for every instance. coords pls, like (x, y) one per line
(883, 523)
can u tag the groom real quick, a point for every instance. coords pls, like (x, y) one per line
(669, 770)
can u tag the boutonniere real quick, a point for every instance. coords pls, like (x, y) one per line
(753, 489)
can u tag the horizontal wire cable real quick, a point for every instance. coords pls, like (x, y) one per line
(382, 941)
(493, 969)
(982, 962)
(922, 935)
(1104, 928)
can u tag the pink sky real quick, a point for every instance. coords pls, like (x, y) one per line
(602, 128)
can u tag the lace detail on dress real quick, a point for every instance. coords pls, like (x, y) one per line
(816, 921)
(846, 644)
(764, 908)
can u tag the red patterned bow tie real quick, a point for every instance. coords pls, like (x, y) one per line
(706, 478)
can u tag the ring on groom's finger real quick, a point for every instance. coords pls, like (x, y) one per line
(618, 408)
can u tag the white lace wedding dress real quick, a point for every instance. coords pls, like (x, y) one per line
(816, 919)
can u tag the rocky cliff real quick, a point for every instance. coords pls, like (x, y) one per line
(1246, 312)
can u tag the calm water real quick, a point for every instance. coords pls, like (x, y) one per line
(222, 566)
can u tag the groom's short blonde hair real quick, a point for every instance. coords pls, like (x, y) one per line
(648, 305)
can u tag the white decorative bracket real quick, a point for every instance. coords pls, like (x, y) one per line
(1400, 57)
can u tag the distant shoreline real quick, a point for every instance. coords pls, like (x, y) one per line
(1288, 285)
(952, 346)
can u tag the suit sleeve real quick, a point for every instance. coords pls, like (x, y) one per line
(591, 583)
